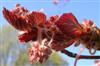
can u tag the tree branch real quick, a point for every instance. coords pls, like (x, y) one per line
(73, 55)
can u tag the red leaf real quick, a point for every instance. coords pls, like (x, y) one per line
(69, 25)
(38, 18)
(27, 36)
(17, 22)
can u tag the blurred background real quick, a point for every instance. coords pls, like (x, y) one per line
(14, 53)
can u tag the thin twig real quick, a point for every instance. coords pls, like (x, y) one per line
(78, 55)
(73, 55)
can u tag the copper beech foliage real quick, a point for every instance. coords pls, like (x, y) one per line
(55, 33)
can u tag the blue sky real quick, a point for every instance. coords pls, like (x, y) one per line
(82, 9)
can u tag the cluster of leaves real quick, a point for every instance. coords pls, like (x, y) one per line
(55, 33)
(45, 34)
